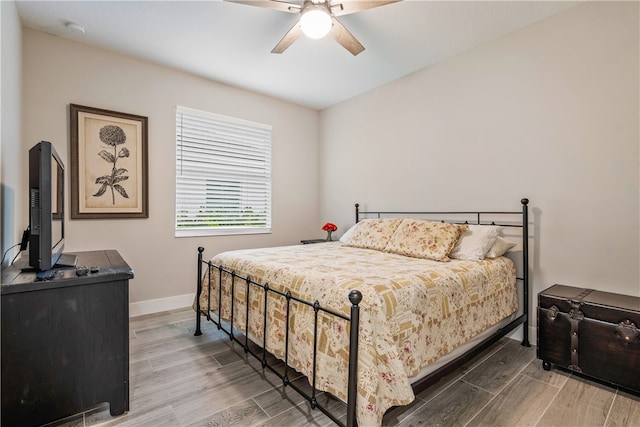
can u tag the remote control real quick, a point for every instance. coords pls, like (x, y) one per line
(82, 270)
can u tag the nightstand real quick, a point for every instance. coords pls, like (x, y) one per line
(307, 242)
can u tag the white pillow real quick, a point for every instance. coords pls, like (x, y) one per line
(347, 234)
(475, 242)
(500, 246)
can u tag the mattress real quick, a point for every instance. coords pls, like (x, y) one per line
(413, 312)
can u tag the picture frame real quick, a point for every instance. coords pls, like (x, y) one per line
(109, 164)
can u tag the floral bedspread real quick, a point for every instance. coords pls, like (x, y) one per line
(413, 311)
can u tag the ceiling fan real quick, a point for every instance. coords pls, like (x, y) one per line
(318, 18)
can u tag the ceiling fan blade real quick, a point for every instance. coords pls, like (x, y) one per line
(353, 6)
(281, 6)
(340, 34)
(292, 35)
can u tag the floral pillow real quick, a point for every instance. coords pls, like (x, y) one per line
(420, 238)
(373, 233)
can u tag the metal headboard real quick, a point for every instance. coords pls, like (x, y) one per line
(478, 217)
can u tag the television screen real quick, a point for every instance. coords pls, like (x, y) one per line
(46, 206)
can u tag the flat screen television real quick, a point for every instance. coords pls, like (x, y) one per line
(46, 208)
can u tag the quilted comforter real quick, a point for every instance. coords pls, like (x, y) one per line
(413, 311)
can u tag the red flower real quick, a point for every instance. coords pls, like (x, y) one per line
(329, 227)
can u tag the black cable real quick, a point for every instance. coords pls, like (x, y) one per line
(7, 251)
(14, 258)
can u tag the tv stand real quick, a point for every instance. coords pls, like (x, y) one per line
(65, 341)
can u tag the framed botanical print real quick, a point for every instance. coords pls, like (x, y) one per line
(109, 171)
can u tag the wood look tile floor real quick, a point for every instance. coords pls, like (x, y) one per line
(177, 379)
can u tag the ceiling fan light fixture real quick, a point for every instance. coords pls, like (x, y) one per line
(315, 23)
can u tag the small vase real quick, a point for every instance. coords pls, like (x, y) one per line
(329, 239)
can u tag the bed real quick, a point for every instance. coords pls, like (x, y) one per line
(402, 299)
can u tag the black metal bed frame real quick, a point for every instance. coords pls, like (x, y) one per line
(355, 297)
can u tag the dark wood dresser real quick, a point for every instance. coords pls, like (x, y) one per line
(591, 332)
(65, 340)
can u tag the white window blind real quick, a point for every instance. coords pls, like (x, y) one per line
(223, 175)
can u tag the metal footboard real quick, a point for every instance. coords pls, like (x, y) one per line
(355, 297)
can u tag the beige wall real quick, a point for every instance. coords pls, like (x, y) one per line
(58, 72)
(12, 178)
(549, 113)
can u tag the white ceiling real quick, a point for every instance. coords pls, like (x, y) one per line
(231, 43)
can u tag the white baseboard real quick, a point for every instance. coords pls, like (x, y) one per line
(517, 334)
(160, 304)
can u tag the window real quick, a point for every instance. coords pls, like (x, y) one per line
(223, 175)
